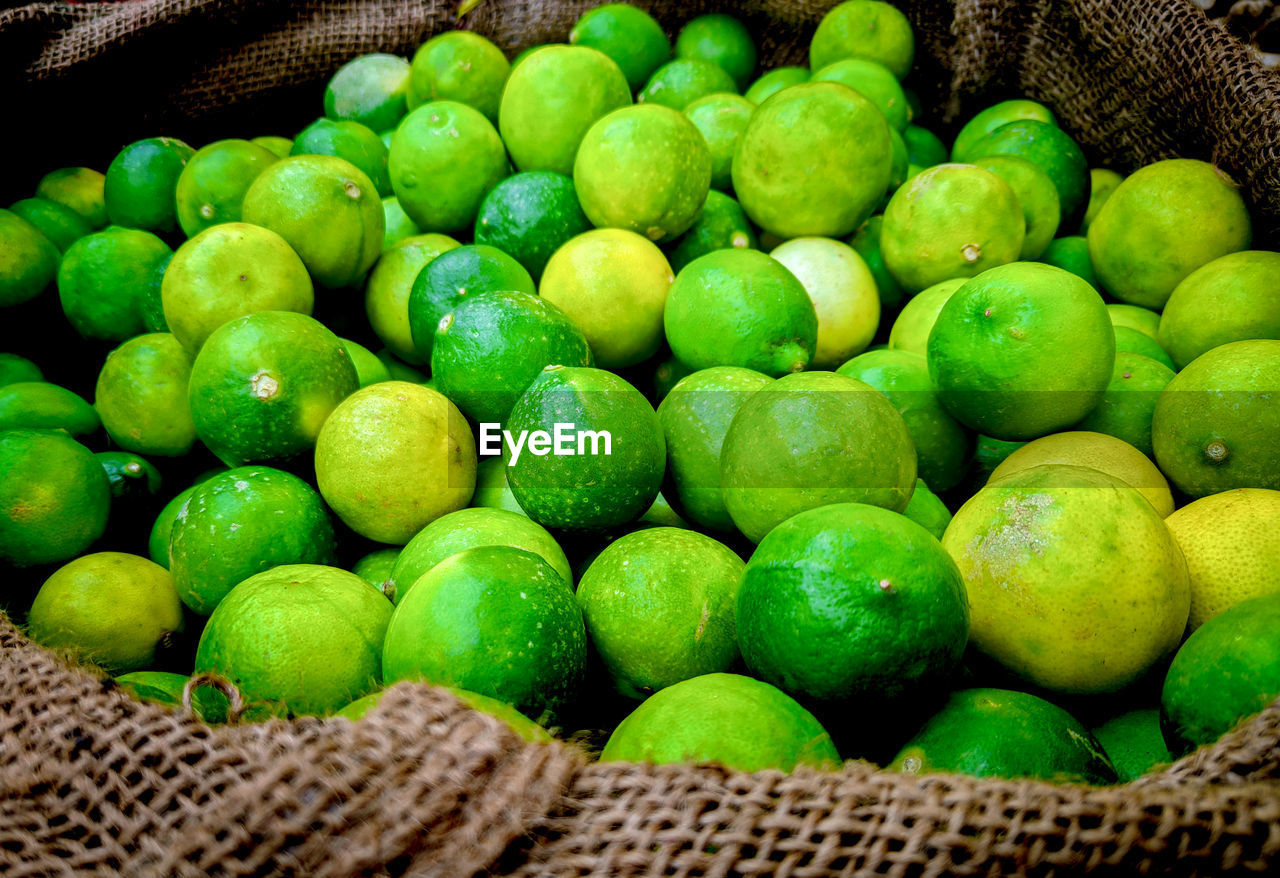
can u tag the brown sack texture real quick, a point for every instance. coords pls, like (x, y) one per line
(92, 781)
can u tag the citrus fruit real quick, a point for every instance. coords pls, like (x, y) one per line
(54, 497)
(80, 189)
(166, 687)
(910, 331)
(1072, 254)
(721, 39)
(1037, 196)
(1233, 298)
(1106, 454)
(109, 608)
(39, 405)
(602, 458)
(630, 36)
(770, 83)
(989, 453)
(492, 490)
(1228, 669)
(298, 639)
(162, 527)
(262, 386)
(445, 157)
(370, 89)
(1001, 361)
(529, 216)
(1046, 145)
(1162, 223)
(141, 396)
(864, 29)
(695, 417)
(495, 620)
(397, 224)
(465, 529)
(867, 241)
(852, 602)
(926, 510)
(57, 222)
(519, 723)
(351, 141)
(135, 483)
(1133, 742)
(1130, 340)
(15, 368)
(1102, 182)
(679, 83)
(1136, 317)
(1216, 425)
(459, 66)
(1231, 542)
(369, 369)
(492, 346)
(1001, 733)
(399, 370)
(228, 271)
(102, 280)
(394, 457)
(659, 608)
(613, 284)
(1075, 583)
(993, 117)
(138, 191)
(873, 81)
(278, 146)
(721, 118)
(375, 568)
(809, 440)
(1129, 402)
(390, 284)
(740, 308)
(943, 447)
(843, 292)
(551, 99)
(950, 221)
(738, 722)
(924, 148)
(720, 225)
(211, 187)
(813, 160)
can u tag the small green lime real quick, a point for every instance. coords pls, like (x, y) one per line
(529, 216)
(390, 285)
(1132, 340)
(59, 223)
(873, 81)
(720, 225)
(924, 148)
(1037, 196)
(1129, 402)
(369, 369)
(926, 510)
(80, 189)
(867, 241)
(1136, 317)
(398, 224)
(460, 66)
(39, 405)
(278, 146)
(724, 41)
(369, 89)
(14, 368)
(519, 723)
(1072, 254)
(492, 490)
(993, 117)
(910, 331)
(211, 188)
(54, 497)
(103, 278)
(721, 118)
(630, 36)
(351, 141)
(448, 278)
(679, 83)
(139, 187)
(1057, 154)
(1134, 743)
(770, 83)
(1102, 182)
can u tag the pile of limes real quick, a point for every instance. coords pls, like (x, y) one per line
(726, 348)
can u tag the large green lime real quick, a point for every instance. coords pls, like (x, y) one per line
(103, 279)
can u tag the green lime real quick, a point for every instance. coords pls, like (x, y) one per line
(924, 148)
(1102, 182)
(1037, 196)
(394, 457)
(1002, 363)
(80, 189)
(1129, 402)
(770, 83)
(843, 292)
(398, 224)
(910, 331)
(1228, 669)
(162, 527)
(399, 370)
(14, 368)
(814, 160)
(864, 29)
(613, 284)
(1075, 583)
(1162, 223)
(943, 447)
(679, 83)
(369, 369)
(1072, 254)
(1001, 733)
(926, 510)
(369, 89)
(211, 188)
(102, 280)
(989, 453)
(550, 101)
(229, 271)
(740, 308)
(1131, 340)
(298, 639)
(1134, 743)
(810, 440)
(721, 118)
(899, 168)
(720, 225)
(630, 36)
(519, 723)
(1233, 298)
(609, 454)
(375, 568)
(493, 345)
(139, 187)
(724, 41)
(1216, 425)
(993, 117)
(278, 146)
(28, 260)
(466, 529)
(165, 687)
(459, 66)
(241, 522)
(326, 209)
(135, 486)
(1136, 317)
(390, 285)
(495, 620)
(666, 374)
(109, 608)
(659, 608)
(54, 497)
(873, 81)
(39, 405)
(151, 302)
(867, 240)
(738, 722)
(950, 221)
(1057, 154)
(351, 141)
(57, 222)
(529, 216)
(447, 279)
(262, 386)
(492, 490)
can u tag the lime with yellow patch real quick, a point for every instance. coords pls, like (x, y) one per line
(843, 292)
(211, 188)
(57, 222)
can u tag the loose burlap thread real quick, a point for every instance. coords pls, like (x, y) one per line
(94, 781)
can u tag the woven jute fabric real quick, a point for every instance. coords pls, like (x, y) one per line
(93, 781)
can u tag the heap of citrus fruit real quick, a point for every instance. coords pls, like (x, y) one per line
(624, 387)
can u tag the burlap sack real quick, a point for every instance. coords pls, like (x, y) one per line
(93, 781)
